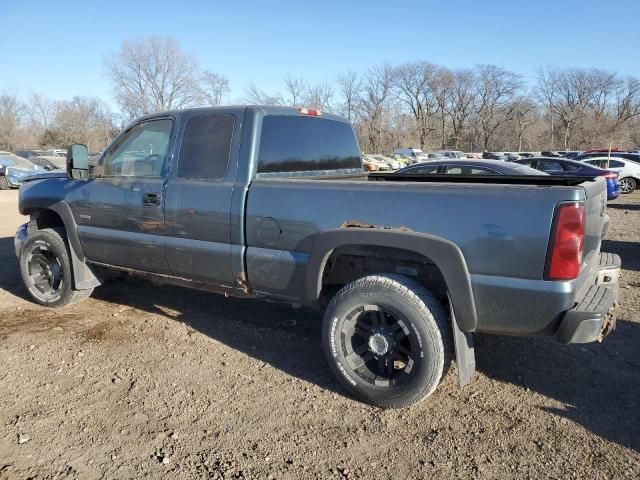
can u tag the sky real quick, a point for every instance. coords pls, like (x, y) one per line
(57, 48)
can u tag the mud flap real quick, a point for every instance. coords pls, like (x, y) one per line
(83, 276)
(465, 353)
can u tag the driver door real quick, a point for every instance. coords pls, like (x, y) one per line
(120, 212)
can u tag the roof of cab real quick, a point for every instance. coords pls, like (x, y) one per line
(239, 109)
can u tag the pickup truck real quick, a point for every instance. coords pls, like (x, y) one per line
(272, 202)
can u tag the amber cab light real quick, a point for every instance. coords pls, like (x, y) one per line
(566, 242)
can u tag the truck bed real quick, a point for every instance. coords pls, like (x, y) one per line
(494, 179)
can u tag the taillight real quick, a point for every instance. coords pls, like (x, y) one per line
(310, 111)
(609, 175)
(567, 242)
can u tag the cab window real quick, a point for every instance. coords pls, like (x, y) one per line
(141, 151)
(204, 154)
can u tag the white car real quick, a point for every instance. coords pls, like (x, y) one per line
(408, 152)
(392, 162)
(628, 171)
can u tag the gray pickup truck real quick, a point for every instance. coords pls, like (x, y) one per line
(272, 202)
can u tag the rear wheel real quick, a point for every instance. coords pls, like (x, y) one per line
(388, 340)
(46, 269)
(4, 183)
(627, 185)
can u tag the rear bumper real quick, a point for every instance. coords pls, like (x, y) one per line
(593, 317)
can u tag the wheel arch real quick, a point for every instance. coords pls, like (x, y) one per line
(58, 214)
(445, 255)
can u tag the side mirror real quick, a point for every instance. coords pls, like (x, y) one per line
(78, 161)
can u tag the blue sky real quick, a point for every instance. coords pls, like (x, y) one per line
(57, 47)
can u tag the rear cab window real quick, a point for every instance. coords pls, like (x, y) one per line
(205, 148)
(300, 145)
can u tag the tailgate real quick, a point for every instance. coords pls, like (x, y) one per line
(597, 223)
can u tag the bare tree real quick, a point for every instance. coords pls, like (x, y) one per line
(413, 83)
(41, 111)
(495, 90)
(442, 85)
(575, 93)
(255, 96)
(11, 114)
(80, 120)
(376, 92)
(295, 89)
(350, 89)
(524, 109)
(461, 102)
(320, 96)
(213, 87)
(153, 74)
(546, 91)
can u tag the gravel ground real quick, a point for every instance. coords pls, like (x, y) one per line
(158, 381)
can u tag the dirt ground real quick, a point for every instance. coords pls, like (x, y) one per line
(150, 381)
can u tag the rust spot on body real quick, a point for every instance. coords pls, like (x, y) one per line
(359, 224)
(242, 281)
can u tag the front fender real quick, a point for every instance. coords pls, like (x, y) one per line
(49, 194)
(41, 195)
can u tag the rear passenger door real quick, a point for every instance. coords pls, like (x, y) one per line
(198, 199)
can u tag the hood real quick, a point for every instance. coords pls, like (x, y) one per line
(40, 174)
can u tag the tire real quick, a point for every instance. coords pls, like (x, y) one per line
(4, 183)
(627, 185)
(46, 269)
(388, 340)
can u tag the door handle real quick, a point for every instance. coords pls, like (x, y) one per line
(152, 198)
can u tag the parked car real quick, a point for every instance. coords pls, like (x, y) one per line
(571, 154)
(494, 156)
(28, 153)
(55, 152)
(404, 160)
(370, 164)
(574, 168)
(452, 154)
(550, 154)
(12, 169)
(512, 157)
(380, 164)
(526, 154)
(409, 152)
(468, 167)
(628, 171)
(49, 163)
(391, 162)
(404, 289)
(634, 157)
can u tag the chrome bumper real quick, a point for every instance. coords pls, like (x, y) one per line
(20, 237)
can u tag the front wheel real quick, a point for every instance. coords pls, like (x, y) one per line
(388, 340)
(46, 269)
(627, 185)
